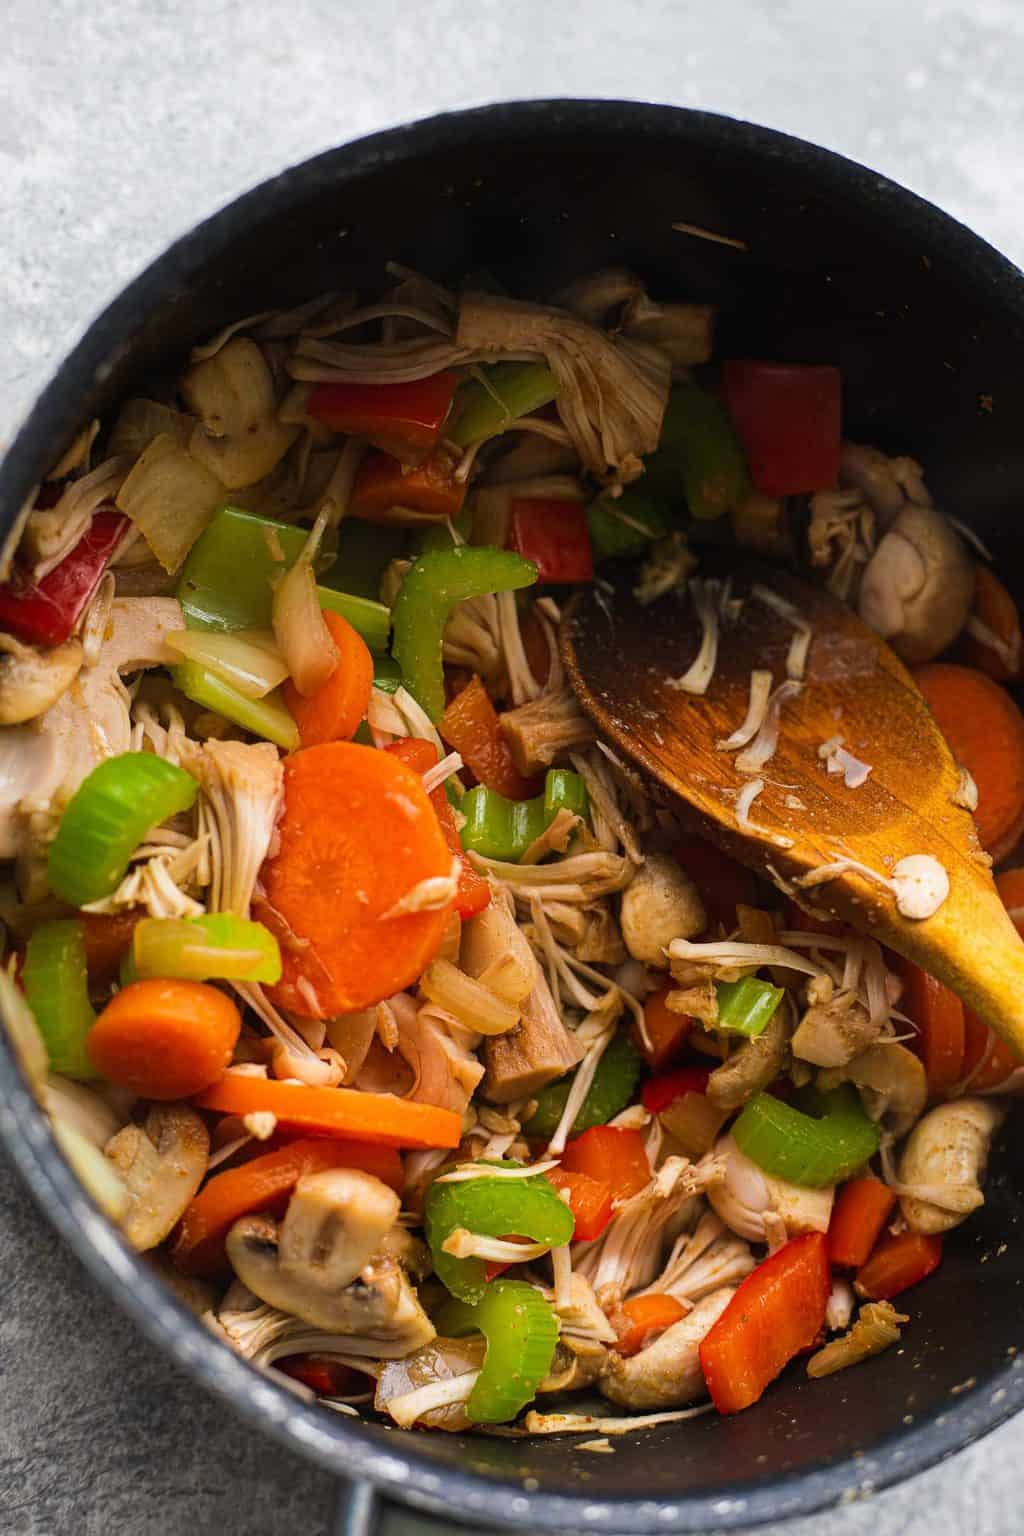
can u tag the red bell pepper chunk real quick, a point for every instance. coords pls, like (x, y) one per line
(404, 420)
(666, 1031)
(777, 1311)
(474, 893)
(385, 492)
(613, 1155)
(860, 1212)
(789, 420)
(659, 1092)
(46, 613)
(472, 727)
(590, 1201)
(896, 1263)
(324, 1376)
(554, 535)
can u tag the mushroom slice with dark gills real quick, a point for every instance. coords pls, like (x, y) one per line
(304, 1265)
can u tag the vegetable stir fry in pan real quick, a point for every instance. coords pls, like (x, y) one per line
(448, 1071)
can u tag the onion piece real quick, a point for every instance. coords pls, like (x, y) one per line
(170, 499)
(473, 1004)
(248, 659)
(303, 637)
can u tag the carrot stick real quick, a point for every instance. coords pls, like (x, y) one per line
(474, 893)
(985, 731)
(939, 1016)
(642, 1316)
(264, 1184)
(471, 725)
(858, 1217)
(666, 1031)
(340, 1112)
(333, 713)
(896, 1263)
(996, 612)
(777, 1311)
(164, 1039)
(107, 936)
(358, 834)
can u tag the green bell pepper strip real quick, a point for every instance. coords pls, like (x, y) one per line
(266, 717)
(700, 454)
(57, 991)
(491, 1207)
(217, 947)
(747, 1007)
(626, 524)
(805, 1149)
(499, 828)
(615, 1080)
(512, 390)
(433, 585)
(226, 582)
(365, 550)
(107, 818)
(521, 1332)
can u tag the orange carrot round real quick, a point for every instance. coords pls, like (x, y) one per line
(334, 711)
(340, 1112)
(939, 1016)
(264, 1184)
(994, 611)
(164, 1039)
(985, 730)
(357, 835)
(642, 1316)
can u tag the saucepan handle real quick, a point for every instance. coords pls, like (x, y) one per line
(362, 1510)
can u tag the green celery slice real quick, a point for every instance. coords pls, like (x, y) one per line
(491, 1207)
(266, 717)
(57, 991)
(216, 947)
(521, 1332)
(803, 1149)
(746, 1007)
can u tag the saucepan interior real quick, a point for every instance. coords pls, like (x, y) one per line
(837, 265)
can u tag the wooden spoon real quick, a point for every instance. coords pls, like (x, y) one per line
(621, 658)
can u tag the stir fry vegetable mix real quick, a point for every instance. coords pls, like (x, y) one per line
(353, 969)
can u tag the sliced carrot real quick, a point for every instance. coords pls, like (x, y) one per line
(108, 937)
(612, 1154)
(474, 893)
(985, 731)
(896, 1263)
(590, 1201)
(996, 612)
(357, 835)
(385, 493)
(472, 727)
(164, 1039)
(666, 1031)
(939, 1016)
(988, 1061)
(264, 1184)
(859, 1214)
(341, 1112)
(638, 1319)
(777, 1311)
(723, 884)
(333, 713)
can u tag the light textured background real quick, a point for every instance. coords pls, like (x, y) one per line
(120, 126)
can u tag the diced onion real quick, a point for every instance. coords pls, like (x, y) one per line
(247, 659)
(303, 637)
(170, 499)
(98, 1175)
(473, 1004)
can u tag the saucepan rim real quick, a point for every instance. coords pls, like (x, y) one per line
(341, 1445)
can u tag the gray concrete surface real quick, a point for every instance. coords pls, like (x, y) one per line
(120, 126)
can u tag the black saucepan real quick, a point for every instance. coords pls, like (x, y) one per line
(927, 323)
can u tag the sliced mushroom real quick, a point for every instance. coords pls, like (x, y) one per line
(335, 1222)
(890, 1079)
(379, 1312)
(667, 1373)
(162, 1163)
(918, 586)
(944, 1163)
(759, 1207)
(577, 1364)
(660, 904)
(754, 1065)
(31, 681)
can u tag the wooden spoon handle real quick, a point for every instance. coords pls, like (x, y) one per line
(972, 946)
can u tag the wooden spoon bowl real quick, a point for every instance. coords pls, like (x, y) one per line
(624, 658)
